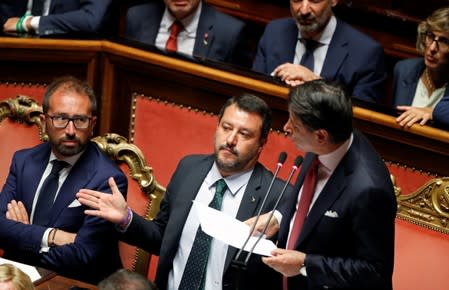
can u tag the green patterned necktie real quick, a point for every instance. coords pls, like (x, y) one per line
(194, 275)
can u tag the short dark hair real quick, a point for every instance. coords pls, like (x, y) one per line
(322, 104)
(251, 104)
(126, 280)
(70, 83)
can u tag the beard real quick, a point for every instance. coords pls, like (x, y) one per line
(310, 24)
(239, 163)
(68, 151)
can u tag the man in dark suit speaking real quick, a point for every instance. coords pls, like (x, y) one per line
(190, 27)
(242, 131)
(337, 229)
(315, 44)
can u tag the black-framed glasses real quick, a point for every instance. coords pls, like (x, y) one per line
(441, 41)
(61, 121)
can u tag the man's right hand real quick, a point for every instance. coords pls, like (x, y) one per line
(272, 229)
(111, 207)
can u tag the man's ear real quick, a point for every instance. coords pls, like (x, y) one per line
(322, 136)
(44, 124)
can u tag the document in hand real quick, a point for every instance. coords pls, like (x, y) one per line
(229, 230)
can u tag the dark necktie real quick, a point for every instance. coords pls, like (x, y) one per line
(194, 275)
(307, 59)
(37, 8)
(172, 42)
(42, 211)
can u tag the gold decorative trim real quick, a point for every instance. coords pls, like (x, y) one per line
(23, 109)
(23, 84)
(118, 149)
(413, 169)
(428, 206)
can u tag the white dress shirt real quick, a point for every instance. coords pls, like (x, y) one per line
(422, 98)
(35, 20)
(62, 177)
(319, 54)
(186, 38)
(218, 251)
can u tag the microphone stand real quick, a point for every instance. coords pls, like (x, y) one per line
(236, 263)
(298, 161)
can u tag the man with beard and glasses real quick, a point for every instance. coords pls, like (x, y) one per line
(315, 44)
(242, 131)
(41, 221)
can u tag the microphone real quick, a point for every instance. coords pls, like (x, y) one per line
(281, 160)
(295, 166)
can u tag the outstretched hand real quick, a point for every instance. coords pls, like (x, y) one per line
(111, 207)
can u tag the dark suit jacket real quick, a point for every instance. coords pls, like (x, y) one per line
(163, 234)
(94, 254)
(406, 76)
(353, 59)
(225, 34)
(67, 16)
(353, 250)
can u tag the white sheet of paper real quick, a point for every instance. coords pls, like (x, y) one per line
(27, 269)
(229, 230)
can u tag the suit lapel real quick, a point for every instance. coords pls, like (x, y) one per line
(251, 200)
(288, 48)
(336, 53)
(409, 83)
(205, 32)
(32, 174)
(331, 191)
(78, 177)
(328, 195)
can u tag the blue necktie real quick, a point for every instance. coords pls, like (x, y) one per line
(307, 59)
(42, 211)
(194, 275)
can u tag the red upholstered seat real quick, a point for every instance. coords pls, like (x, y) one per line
(11, 90)
(144, 193)
(20, 127)
(421, 258)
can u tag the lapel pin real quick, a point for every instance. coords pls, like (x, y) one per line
(253, 199)
(205, 38)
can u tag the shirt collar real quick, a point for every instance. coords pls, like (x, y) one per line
(330, 160)
(70, 160)
(234, 182)
(190, 22)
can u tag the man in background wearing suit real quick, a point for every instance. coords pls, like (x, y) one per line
(41, 221)
(197, 29)
(337, 229)
(242, 131)
(47, 17)
(315, 44)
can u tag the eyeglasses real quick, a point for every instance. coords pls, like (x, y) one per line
(60, 122)
(442, 42)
